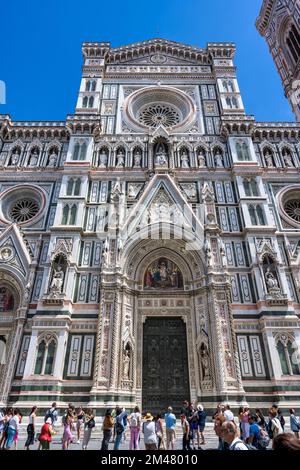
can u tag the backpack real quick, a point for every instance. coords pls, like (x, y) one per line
(50, 415)
(249, 446)
(264, 439)
(91, 423)
(119, 426)
(134, 421)
(277, 429)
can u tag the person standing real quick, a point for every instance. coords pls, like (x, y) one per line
(281, 419)
(185, 433)
(170, 420)
(119, 426)
(52, 413)
(89, 424)
(201, 425)
(148, 428)
(159, 432)
(245, 424)
(79, 422)
(13, 426)
(135, 426)
(294, 423)
(230, 435)
(46, 434)
(274, 427)
(16, 438)
(31, 428)
(67, 435)
(254, 432)
(260, 418)
(107, 427)
(8, 414)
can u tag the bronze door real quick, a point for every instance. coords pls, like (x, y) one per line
(165, 365)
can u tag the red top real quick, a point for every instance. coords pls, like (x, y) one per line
(45, 433)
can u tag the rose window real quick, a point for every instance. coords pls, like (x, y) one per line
(23, 210)
(159, 114)
(292, 209)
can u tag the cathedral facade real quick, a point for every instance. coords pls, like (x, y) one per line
(150, 243)
(279, 23)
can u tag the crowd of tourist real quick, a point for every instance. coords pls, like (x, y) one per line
(248, 431)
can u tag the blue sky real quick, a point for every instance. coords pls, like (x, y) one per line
(41, 48)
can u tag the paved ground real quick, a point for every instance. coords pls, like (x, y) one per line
(95, 442)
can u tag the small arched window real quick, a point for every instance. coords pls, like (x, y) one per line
(91, 101)
(250, 187)
(225, 85)
(235, 103)
(288, 355)
(252, 214)
(73, 214)
(44, 364)
(70, 187)
(93, 88)
(87, 86)
(65, 215)
(77, 187)
(76, 151)
(83, 150)
(228, 102)
(85, 102)
(283, 358)
(260, 215)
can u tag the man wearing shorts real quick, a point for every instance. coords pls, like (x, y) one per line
(170, 420)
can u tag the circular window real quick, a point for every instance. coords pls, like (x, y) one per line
(289, 205)
(154, 106)
(23, 210)
(159, 114)
(21, 205)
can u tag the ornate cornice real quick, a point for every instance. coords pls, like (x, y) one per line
(264, 17)
(28, 130)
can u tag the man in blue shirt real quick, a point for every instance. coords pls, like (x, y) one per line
(254, 432)
(170, 420)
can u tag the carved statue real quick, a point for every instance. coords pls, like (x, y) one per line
(222, 253)
(184, 160)
(14, 159)
(204, 364)
(137, 159)
(103, 160)
(271, 281)
(161, 156)
(219, 159)
(132, 190)
(120, 159)
(269, 159)
(126, 365)
(288, 160)
(52, 159)
(208, 252)
(34, 158)
(201, 159)
(57, 280)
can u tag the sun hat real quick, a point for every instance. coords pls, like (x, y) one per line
(148, 417)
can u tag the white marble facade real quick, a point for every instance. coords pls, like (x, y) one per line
(159, 170)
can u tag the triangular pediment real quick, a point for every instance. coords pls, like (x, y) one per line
(14, 253)
(162, 203)
(158, 51)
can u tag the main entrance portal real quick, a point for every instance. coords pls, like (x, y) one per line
(165, 364)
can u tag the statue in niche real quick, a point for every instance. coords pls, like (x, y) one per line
(57, 280)
(137, 159)
(201, 159)
(184, 160)
(120, 159)
(288, 159)
(126, 364)
(271, 281)
(34, 158)
(204, 359)
(103, 159)
(161, 158)
(14, 159)
(219, 159)
(53, 157)
(208, 252)
(269, 159)
(222, 252)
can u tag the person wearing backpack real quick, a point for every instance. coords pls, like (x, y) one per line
(294, 423)
(89, 424)
(52, 414)
(273, 427)
(135, 426)
(230, 435)
(254, 433)
(119, 426)
(107, 427)
(281, 419)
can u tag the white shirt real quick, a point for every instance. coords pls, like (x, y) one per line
(239, 446)
(228, 415)
(14, 422)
